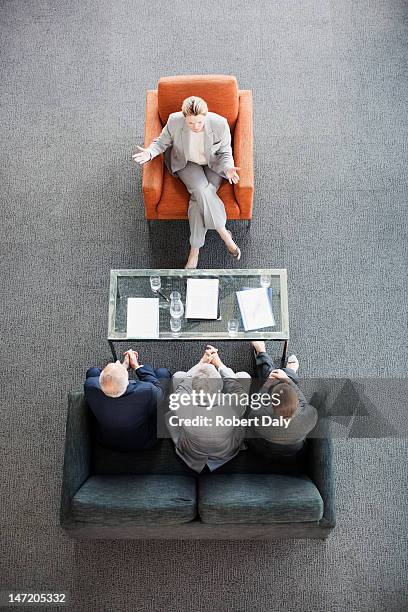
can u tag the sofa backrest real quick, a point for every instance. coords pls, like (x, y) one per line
(162, 459)
(218, 90)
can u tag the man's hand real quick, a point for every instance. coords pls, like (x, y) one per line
(216, 361)
(133, 359)
(208, 354)
(215, 358)
(142, 156)
(206, 358)
(279, 375)
(126, 361)
(232, 174)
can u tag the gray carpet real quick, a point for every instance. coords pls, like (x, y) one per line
(330, 93)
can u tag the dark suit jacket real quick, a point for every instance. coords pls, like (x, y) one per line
(127, 422)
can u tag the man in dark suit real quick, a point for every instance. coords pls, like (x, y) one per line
(126, 410)
(288, 403)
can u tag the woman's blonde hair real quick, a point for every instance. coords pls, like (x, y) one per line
(194, 106)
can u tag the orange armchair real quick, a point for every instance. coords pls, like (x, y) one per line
(165, 196)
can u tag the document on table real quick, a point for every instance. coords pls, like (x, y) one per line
(255, 307)
(269, 291)
(142, 318)
(202, 298)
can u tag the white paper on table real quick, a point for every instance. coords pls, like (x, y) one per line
(202, 298)
(255, 307)
(142, 318)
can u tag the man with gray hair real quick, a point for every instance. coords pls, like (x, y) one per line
(205, 410)
(125, 410)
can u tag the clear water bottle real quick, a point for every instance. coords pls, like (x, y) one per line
(176, 305)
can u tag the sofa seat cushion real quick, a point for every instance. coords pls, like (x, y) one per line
(135, 500)
(258, 498)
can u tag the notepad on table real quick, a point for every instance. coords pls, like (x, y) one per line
(269, 290)
(255, 307)
(202, 298)
(142, 318)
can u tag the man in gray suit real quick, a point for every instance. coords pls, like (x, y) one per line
(205, 410)
(197, 149)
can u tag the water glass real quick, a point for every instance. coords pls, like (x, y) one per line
(155, 283)
(175, 326)
(265, 280)
(233, 326)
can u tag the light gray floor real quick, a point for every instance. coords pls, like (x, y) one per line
(330, 93)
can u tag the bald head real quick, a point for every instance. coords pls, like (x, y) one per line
(114, 379)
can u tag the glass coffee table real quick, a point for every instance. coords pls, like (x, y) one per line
(126, 284)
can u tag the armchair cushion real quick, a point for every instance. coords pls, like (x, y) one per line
(174, 200)
(220, 91)
(258, 498)
(135, 500)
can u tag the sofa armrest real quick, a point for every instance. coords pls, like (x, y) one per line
(243, 154)
(77, 457)
(320, 468)
(152, 172)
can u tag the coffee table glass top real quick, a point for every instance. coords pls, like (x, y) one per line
(136, 283)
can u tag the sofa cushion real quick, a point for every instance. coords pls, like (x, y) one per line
(136, 500)
(258, 498)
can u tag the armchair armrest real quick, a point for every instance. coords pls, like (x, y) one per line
(320, 467)
(77, 457)
(243, 154)
(152, 173)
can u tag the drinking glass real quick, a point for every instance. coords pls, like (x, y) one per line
(265, 280)
(155, 283)
(175, 326)
(233, 326)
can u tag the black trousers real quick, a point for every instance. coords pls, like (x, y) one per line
(265, 365)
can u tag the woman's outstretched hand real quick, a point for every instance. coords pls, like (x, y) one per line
(142, 156)
(232, 174)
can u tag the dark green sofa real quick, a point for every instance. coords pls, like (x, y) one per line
(153, 494)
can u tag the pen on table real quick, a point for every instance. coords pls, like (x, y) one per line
(163, 296)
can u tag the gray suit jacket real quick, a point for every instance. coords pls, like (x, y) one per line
(212, 445)
(173, 142)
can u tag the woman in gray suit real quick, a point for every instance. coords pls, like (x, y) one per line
(197, 148)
